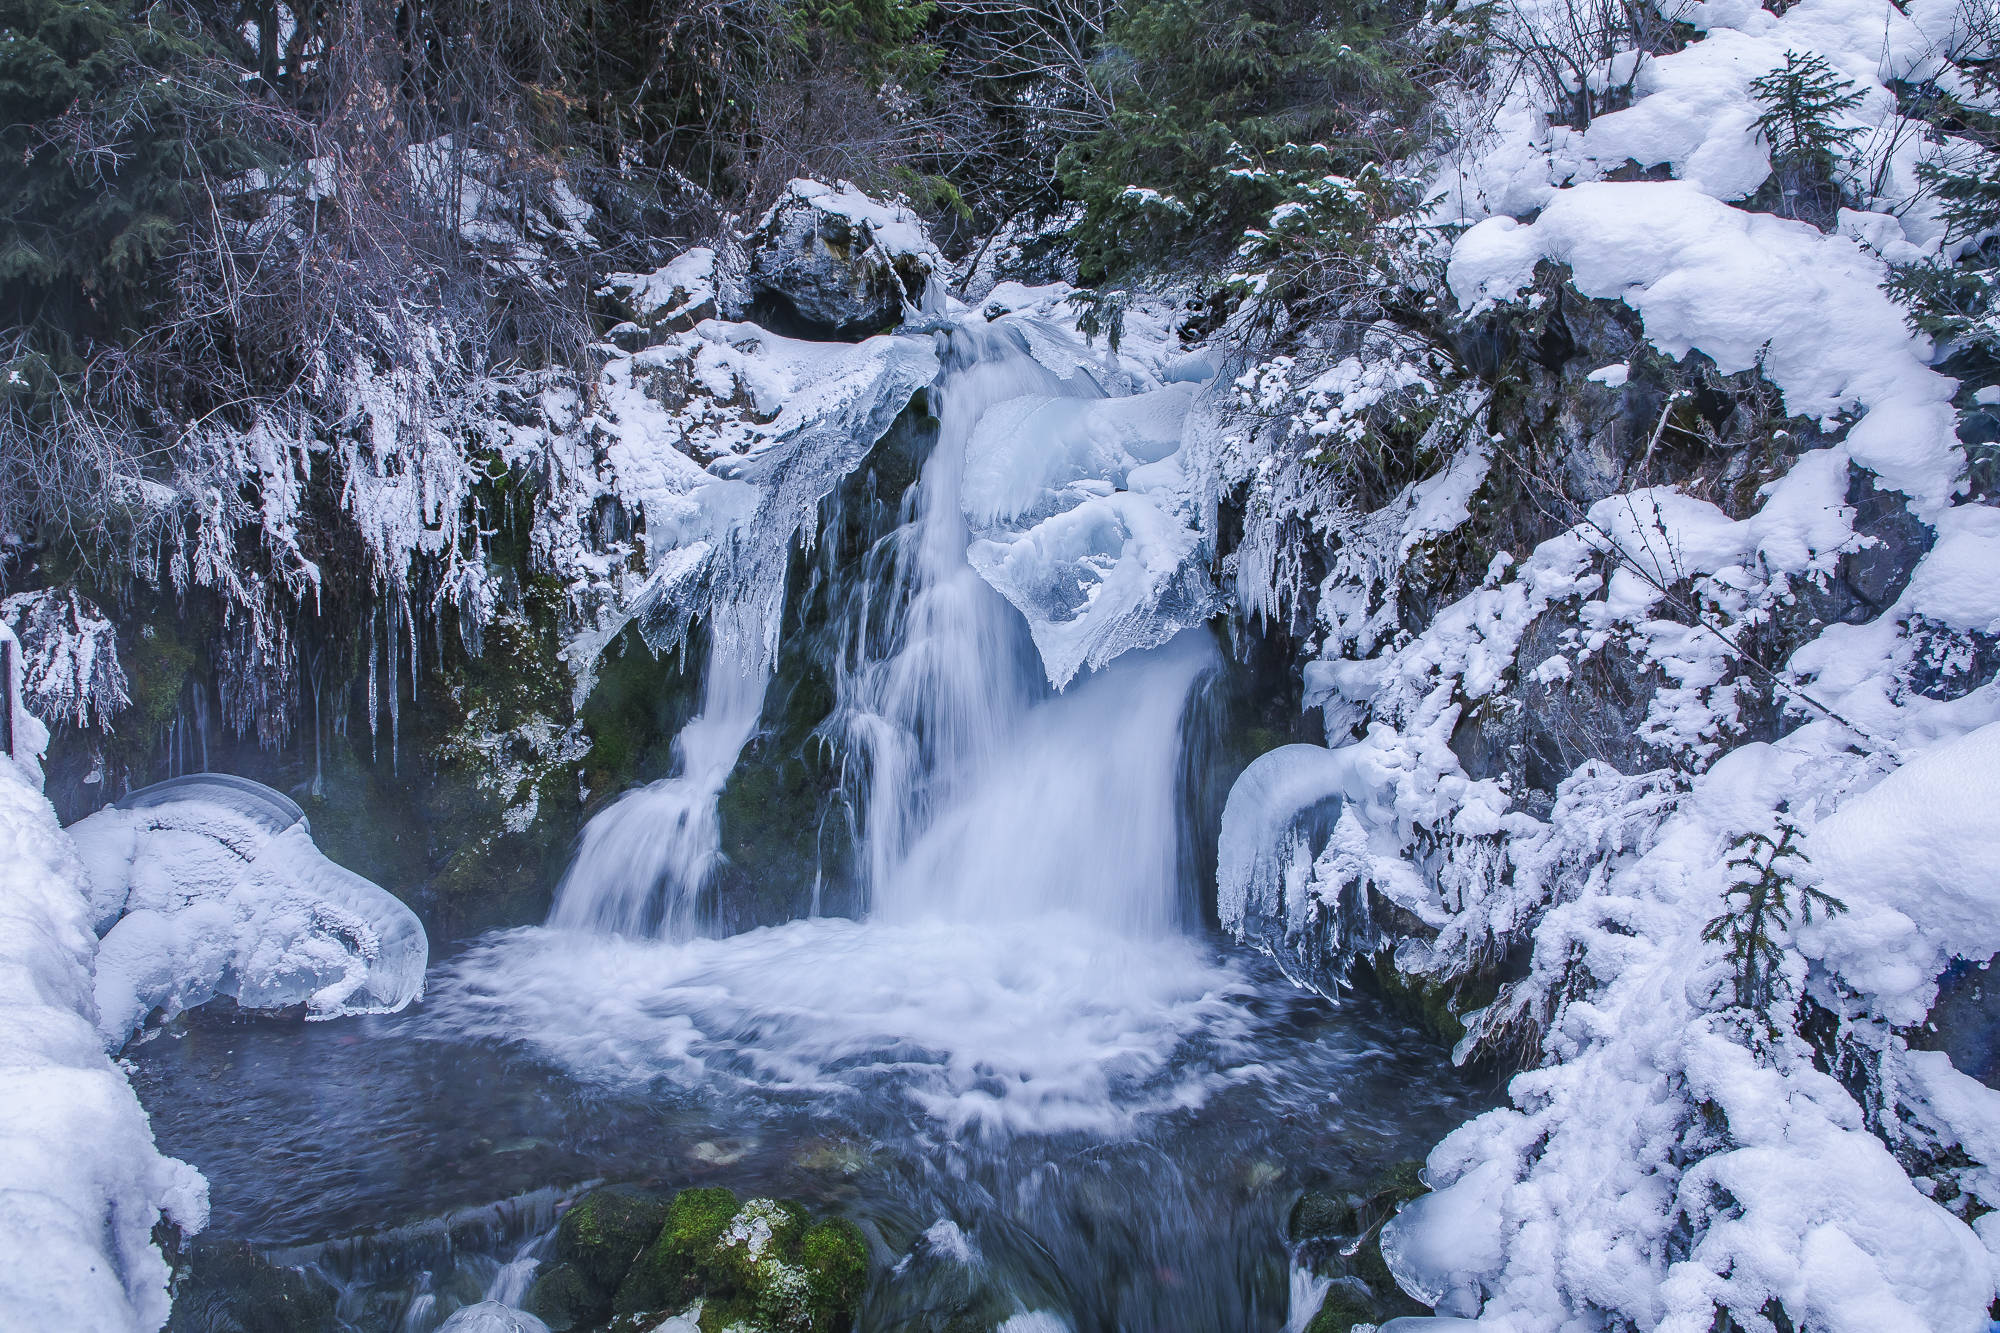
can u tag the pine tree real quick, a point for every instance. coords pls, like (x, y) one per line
(1759, 911)
(109, 116)
(1802, 103)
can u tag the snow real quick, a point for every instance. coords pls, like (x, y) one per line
(70, 669)
(1666, 1155)
(81, 1184)
(1913, 859)
(686, 284)
(210, 891)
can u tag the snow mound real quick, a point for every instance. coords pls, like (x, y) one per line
(1913, 859)
(211, 885)
(81, 1184)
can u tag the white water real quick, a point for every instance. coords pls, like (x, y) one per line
(1022, 967)
(643, 861)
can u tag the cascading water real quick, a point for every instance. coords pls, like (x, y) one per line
(643, 862)
(986, 798)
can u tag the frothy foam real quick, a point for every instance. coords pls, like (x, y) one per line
(1047, 1027)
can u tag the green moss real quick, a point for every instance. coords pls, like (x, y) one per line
(605, 1232)
(1342, 1309)
(762, 1263)
(682, 1263)
(835, 1257)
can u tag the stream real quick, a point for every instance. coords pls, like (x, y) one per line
(1048, 1097)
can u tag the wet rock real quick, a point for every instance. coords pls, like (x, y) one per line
(596, 1244)
(564, 1299)
(1318, 1214)
(230, 1288)
(829, 258)
(606, 1231)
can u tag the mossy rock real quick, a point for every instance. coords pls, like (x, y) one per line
(762, 1264)
(605, 1232)
(681, 1264)
(835, 1257)
(1318, 1214)
(1397, 1186)
(563, 1298)
(1343, 1308)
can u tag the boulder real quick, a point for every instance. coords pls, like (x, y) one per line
(838, 263)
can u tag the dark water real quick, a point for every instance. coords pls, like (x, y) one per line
(430, 1148)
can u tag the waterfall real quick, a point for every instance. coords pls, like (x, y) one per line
(986, 795)
(983, 794)
(643, 862)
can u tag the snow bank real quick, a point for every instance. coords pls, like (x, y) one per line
(213, 887)
(81, 1184)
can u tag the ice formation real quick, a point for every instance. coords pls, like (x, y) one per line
(211, 885)
(81, 1184)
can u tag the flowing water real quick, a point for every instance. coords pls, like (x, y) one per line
(1042, 1092)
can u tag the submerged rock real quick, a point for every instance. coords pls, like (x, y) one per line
(230, 1288)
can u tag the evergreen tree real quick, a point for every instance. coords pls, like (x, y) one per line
(1760, 911)
(1802, 103)
(1204, 94)
(109, 116)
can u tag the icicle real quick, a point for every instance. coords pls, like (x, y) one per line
(416, 665)
(319, 751)
(374, 756)
(389, 647)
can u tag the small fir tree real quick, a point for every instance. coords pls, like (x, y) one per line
(1801, 105)
(1759, 911)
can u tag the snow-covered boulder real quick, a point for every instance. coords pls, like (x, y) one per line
(211, 885)
(672, 298)
(843, 261)
(81, 1184)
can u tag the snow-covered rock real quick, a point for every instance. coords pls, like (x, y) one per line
(81, 1184)
(843, 261)
(211, 885)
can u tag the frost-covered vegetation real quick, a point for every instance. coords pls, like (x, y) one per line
(1592, 407)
